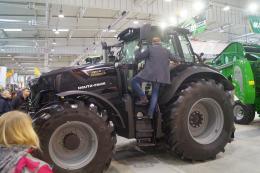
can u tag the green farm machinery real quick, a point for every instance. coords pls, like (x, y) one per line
(240, 63)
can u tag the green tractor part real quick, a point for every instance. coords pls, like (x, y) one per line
(240, 63)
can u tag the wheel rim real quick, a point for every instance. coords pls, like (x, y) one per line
(239, 112)
(205, 121)
(73, 145)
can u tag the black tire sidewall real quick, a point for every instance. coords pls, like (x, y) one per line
(249, 113)
(189, 147)
(105, 144)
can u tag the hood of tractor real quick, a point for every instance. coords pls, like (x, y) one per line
(98, 77)
(84, 67)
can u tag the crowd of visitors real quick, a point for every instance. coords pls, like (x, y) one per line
(13, 101)
(18, 140)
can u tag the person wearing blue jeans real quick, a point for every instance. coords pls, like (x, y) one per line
(156, 71)
(136, 85)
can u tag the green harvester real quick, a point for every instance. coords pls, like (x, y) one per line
(240, 63)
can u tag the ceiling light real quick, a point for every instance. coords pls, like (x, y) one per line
(52, 50)
(183, 14)
(136, 22)
(57, 31)
(226, 8)
(14, 29)
(12, 59)
(199, 5)
(63, 30)
(9, 55)
(168, 0)
(163, 25)
(61, 15)
(112, 30)
(2, 49)
(10, 20)
(253, 7)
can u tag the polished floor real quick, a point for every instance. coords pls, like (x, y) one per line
(241, 156)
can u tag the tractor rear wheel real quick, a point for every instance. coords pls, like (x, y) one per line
(77, 140)
(200, 123)
(243, 114)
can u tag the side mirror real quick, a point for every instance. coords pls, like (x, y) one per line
(200, 59)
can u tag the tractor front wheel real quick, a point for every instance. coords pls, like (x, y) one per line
(243, 114)
(77, 140)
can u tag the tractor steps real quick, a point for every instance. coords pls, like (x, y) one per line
(145, 134)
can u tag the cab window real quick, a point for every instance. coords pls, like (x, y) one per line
(128, 52)
(186, 49)
(167, 44)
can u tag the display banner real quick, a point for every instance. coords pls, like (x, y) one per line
(9, 73)
(3, 71)
(37, 72)
(196, 25)
(254, 22)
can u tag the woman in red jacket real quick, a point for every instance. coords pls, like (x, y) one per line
(17, 140)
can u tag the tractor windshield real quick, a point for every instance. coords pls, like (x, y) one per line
(129, 48)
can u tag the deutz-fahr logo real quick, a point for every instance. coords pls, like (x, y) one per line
(91, 86)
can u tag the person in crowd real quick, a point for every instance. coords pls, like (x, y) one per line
(5, 102)
(14, 94)
(156, 70)
(21, 99)
(17, 140)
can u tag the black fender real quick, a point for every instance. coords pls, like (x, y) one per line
(46, 112)
(102, 100)
(186, 73)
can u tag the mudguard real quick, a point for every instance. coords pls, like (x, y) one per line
(46, 112)
(185, 73)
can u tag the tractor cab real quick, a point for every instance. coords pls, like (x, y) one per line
(174, 39)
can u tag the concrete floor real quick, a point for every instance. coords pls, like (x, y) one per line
(241, 156)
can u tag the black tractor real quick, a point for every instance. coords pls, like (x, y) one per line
(78, 111)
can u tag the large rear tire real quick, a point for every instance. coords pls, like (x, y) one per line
(77, 140)
(200, 122)
(243, 114)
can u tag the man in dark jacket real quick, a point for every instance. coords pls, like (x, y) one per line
(20, 100)
(5, 99)
(156, 70)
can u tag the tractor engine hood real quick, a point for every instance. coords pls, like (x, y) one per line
(85, 67)
(86, 78)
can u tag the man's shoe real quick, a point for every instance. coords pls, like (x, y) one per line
(142, 102)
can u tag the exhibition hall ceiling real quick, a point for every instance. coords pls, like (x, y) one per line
(50, 34)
